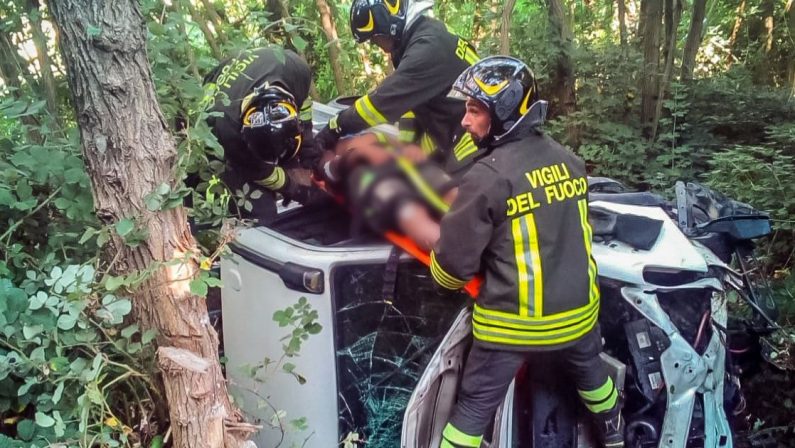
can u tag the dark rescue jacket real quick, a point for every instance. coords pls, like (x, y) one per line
(427, 62)
(236, 78)
(521, 219)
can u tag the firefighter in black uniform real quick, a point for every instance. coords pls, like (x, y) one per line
(521, 218)
(265, 122)
(427, 59)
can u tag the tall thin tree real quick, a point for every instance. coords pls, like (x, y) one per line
(129, 151)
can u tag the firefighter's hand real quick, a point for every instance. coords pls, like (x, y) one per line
(326, 139)
(294, 191)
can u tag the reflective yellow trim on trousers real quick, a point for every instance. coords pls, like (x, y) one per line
(511, 337)
(521, 266)
(368, 112)
(602, 398)
(582, 204)
(425, 189)
(513, 318)
(454, 435)
(275, 181)
(465, 147)
(442, 277)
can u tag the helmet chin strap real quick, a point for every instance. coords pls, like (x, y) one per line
(536, 116)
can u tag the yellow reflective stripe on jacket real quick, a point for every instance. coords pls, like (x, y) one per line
(528, 265)
(602, 398)
(275, 181)
(465, 147)
(419, 183)
(553, 336)
(471, 57)
(409, 115)
(442, 277)
(368, 112)
(587, 232)
(306, 110)
(514, 321)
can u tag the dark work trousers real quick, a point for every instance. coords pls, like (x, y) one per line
(488, 374)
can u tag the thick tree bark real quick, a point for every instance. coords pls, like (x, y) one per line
(505, 27)
(694, 36)
(563, 81)
(673, 14)
(651, 17)
(128, 152)
(622, 23)
(43, 57)
(334, 48)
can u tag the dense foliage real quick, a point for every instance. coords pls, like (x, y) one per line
(74, 368)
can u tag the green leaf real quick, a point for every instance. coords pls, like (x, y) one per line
(157, 442)
(38, 301)
(66, 321)
(127, 332)
(198, 287)
(148, 336)
(113, 283)
(56, 396)
(44, 420)
(124, 227)
(25, 430)
(299, 42)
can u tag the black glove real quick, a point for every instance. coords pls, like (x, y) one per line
(326, 139)
(293, 191)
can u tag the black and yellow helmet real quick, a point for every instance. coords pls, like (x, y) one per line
(508, 89)
(271, 125)
(377, 17)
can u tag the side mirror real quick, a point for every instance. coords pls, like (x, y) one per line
(739, 227)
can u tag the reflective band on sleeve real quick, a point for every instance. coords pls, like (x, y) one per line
(465, 147)
(407, 136)
(275, 181)
(306, 110)
(442, 277)
(368, 112)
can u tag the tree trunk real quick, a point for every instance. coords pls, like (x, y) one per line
(43, 57)
(768, 11)
(673, 14)
(622, 23)
(693, 39)
(128, 152)
(334, 48)
(651, 17)
(215, 18)
(563, 76)
(208, 34)
(505, 27)
(738, 23)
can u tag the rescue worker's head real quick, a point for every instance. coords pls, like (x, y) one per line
(271, 126)
(380, 20)
(501, 92)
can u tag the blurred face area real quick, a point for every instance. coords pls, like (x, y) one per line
(384, 42)
(477, 120)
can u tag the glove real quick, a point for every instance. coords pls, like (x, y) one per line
(326, 139)
(293, 191)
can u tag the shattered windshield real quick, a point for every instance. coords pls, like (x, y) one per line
(383, 346)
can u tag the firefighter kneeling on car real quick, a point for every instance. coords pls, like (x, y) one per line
(521, 219)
